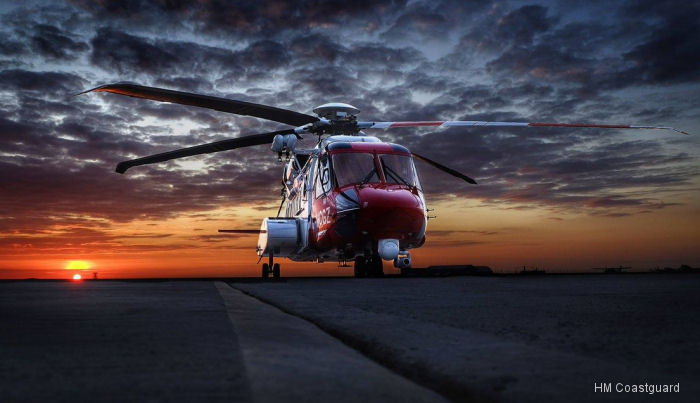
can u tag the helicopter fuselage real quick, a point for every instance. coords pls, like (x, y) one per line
(350, 196)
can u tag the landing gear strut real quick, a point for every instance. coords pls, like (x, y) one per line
(271, 267)
(360, 266)
(370, 266)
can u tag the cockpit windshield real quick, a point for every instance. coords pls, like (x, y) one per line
(399, 169)
(359, 168)
(354, 168)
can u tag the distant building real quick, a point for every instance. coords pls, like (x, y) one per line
(612, 269)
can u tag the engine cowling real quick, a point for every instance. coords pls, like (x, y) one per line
(281, 236)
(281, 143)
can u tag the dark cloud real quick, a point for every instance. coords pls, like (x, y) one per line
(543, 62)
(516, 27)
(124, 53)
(244, 18)
(672, 51)
(48, 83)
(521, 25)
(596, 54)
(424, 22)
(50, 190)
(9, 47)
(50, 42)
(316, 47)
(418, 23)
(523, 170)
(378, 55)
(186, 65)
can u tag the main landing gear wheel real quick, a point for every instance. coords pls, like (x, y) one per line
(360, 266)
(270, 268)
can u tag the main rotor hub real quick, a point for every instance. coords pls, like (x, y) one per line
(336, 111)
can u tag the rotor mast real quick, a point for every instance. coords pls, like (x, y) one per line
(336, 118)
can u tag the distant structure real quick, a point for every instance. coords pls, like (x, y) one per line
(532, 271)
(684, 268)
(94, 276)
(451, 270)
(610, 270)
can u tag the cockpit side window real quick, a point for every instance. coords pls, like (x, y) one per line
(354, 168)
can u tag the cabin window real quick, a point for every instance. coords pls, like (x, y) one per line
(323, 177)
(354, 168)
(399, 169)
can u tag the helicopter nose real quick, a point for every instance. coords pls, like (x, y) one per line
(391, 213)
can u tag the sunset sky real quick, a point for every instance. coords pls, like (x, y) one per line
(555, 198)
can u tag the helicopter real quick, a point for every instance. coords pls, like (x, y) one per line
(351, 197)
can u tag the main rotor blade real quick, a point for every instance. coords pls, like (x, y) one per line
(461, 123)
(223, 145)
(444, 168)
(205, 101)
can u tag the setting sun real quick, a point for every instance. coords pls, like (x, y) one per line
(77, 265)
(77, 277)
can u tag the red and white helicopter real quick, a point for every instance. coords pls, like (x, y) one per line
(350, 197)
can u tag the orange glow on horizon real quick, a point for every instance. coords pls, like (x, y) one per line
(466, 232)
(78, 265)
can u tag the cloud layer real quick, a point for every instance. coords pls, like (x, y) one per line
(633, 62)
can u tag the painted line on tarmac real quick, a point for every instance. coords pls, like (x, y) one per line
(288, 358)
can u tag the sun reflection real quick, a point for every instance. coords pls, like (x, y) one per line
(77, 265)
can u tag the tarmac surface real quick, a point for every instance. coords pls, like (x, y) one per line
(117, 341)
(499, 338)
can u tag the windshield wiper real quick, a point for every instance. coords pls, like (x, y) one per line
(369, 176)
(394, 175)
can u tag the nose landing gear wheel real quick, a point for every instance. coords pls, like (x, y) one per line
(270, 268)
(276, 270)
(369, 267)
(375, 268)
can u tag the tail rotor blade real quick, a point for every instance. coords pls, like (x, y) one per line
(204, 101)
(223, 145)
(444, 168)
